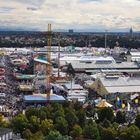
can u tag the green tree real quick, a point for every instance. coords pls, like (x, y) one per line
(115, 125)
(61, 125)
(3, 123)
(46, 126)
(106, 113)
(19, 123)
(48, 110)
(66, 104)
(38, 136)
(130, 133)
(58, 113)
(81, 115)
(120, 117)
(31, 112)
(42, 114)
(108, 134)
(77, 106)
(55, 135)
(76, 131)
(27, 134)
(137, 121)
(57, 106)
(71, 118)
(91, 131)
(34, 124)
(1, 119)
(57, 110)
(106, 123)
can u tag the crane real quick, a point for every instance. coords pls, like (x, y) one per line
(58, 76)
(49, 60)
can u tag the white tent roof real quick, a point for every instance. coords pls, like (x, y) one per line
(41, 61)
(103, 103)
(93, 65)
(123, 89)
(121, 81)
(121, 84)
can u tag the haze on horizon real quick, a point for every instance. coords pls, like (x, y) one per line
(80, 15)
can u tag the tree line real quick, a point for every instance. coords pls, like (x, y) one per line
(70, 121)
(83, 41)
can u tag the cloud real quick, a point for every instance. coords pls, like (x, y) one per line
(86, 1)
(36, 3)
(77, 14)
(6, 9)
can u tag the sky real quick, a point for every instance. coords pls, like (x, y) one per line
(80, 15)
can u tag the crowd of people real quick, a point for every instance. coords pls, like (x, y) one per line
(11, 99)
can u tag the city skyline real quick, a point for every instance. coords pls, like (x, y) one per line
(80, 15)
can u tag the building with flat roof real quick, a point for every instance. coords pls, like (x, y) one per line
(71, 31)
(42, 98)
(93, 67)
(86, 60)
(135, 56)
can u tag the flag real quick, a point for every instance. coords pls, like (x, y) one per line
(128, 106)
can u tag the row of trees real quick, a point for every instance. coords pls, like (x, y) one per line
(70, 121)
(20, 45)
(111, 42)
(83, 41)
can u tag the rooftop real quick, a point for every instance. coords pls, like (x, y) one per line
(124, 65)
(73, 86)
(135, 53)
(41, 60)
(88, 58)
(121, 81)
(121, 84)
(43, 98)
(25, 76)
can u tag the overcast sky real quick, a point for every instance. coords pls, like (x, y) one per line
(83, 15)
